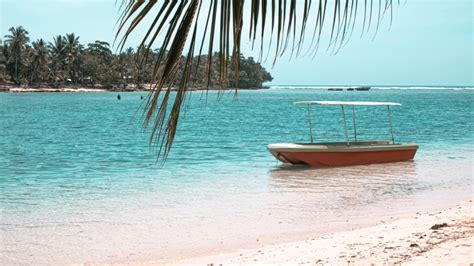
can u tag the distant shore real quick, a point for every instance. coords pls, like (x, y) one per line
(146, 88)
(440, 237)
(130, 88)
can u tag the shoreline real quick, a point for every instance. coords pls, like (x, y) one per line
(439, 236)
(98, 89)
(144, 89)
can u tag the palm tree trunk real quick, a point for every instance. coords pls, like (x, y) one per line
(16, 71)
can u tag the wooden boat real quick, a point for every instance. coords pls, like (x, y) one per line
(327, 154)
(364, 88)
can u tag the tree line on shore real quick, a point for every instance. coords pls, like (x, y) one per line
(66, 62)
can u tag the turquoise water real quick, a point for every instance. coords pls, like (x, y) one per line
(76, 170)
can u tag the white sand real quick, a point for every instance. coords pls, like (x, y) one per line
(66, 89)
(407, 241)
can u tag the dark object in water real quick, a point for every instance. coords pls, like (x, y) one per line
(119, 97)
(335, 89)
(141, 97)
(438, 226)
(350, 89)
(364, 88)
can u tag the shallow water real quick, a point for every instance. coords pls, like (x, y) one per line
(79, 182)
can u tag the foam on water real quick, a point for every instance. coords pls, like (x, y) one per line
(305, 87)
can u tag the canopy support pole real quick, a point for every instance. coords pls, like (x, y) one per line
(354, 120)
(310, 126)
(391, 127)
(345, 127)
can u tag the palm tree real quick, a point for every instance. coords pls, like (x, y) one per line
(276, 26)
(72, 41)
(16, 41)
(3, 62)
(125, 65)
(58, 56)
(39, 60)
(73, 52)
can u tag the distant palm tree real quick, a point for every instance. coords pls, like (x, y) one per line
(73, 52)
(275, 25)
(72, 40)
(39, 60)
(4, 54)
(125, 64)
(58, 46)
(58, 56)
(16, 41)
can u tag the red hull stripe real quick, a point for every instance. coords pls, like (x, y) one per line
(324, 159)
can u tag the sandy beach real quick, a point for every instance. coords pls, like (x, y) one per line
(61, 89)
(439, 237)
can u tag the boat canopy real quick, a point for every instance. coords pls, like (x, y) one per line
(353, 104)
(349, 103)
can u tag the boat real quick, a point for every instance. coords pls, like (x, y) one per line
(364, 88)
(349, 152)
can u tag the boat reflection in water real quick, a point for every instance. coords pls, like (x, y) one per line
(339, 187)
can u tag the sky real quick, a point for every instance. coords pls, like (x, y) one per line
(430, 42)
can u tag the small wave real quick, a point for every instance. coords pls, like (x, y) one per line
(313, 87)
(373, 87)
(422, 88)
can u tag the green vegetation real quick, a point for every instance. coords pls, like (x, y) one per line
(66, 62)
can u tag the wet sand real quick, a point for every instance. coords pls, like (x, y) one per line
(438, 237)
(299, 216)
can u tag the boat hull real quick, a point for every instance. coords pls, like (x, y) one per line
(340, 156)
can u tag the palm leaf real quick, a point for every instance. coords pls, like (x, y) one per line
(176, 25)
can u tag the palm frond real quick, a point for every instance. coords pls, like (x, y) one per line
(176, 25)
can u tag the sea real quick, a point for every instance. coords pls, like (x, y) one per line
(80, 183)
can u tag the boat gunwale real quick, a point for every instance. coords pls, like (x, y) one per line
(340, 147)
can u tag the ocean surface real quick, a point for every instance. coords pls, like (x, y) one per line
(79, 183)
